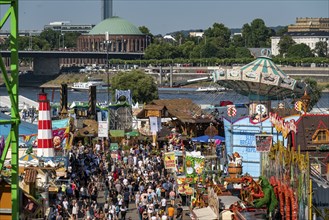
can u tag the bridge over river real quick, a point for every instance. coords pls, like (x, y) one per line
(48, 62)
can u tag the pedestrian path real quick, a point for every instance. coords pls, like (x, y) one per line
(132, 210)
(132, 213)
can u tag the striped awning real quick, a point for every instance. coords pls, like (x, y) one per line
(263, 65)
(260, 80)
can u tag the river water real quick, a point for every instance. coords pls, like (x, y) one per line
(201, 98)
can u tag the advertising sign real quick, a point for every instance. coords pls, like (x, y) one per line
(283, 126)
(103, 129)
(263, 142)
(114, 154)
(169, 160)
(114, 146)
(155, 123)
(183, 186)
(194, 168)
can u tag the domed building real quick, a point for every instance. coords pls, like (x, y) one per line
(123, 37)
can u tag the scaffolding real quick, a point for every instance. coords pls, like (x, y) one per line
(11, 82)
(120, 117)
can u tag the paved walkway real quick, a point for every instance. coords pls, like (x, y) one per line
(132, 212)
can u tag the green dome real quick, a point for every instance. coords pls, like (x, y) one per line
(115, 26)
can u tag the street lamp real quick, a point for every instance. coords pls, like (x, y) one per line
(63, 41)
(107, 41)
(61, 35)
(30, 41)
(59, 41)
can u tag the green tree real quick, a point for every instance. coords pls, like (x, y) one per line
(238, 41)
(314, 91)
(196, 52)
(256, 34)
(219, 34)
(141, 85)
(242, 52)
(23, 43)
(247, 35)
(186, 49)
(321, 49)
(4, 44)
(299, 51)
(282, 31)
(163, 50)
(144, 30)
(52, 37)
(285, 42)
(70, 39)
(230, 52)
(209, 50)
(180, 37)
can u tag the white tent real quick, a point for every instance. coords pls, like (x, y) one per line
(205, 214)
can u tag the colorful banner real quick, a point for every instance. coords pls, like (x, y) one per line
(155, 124)
(103, 129)
(183, 186)
(194, 167)
(114, 146)
(169, 160)
(114, 154)
(263, 142)
(59, 139)
(258, 112)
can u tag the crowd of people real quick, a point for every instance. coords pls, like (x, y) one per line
(104, 185)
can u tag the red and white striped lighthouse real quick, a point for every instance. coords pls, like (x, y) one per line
(45, 134)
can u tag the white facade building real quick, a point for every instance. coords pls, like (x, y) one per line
(196, 34)
(308, 38)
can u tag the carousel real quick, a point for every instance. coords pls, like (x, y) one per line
(260, 80)
(249, 140)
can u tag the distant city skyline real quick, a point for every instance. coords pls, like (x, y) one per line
(165, 16)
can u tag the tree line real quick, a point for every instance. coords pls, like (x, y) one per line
(216, 46)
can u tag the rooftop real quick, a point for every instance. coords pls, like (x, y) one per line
(115, 26)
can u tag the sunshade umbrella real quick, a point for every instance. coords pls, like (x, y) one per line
(132, 134)
(206, 138)
(29, 159)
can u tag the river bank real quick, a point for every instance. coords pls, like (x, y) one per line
(55, 81)
(70, 78)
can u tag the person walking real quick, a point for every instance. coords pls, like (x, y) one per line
(75, 210)
(179, 212)
(126, 196)
(171, 212)
(123, 211)
(172, 196)
(163, 204)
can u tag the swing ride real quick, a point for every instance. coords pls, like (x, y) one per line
(270, 173)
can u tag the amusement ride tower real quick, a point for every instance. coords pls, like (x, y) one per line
(262, 82)
(11, 82)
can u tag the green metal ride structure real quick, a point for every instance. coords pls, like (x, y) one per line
(11, 82)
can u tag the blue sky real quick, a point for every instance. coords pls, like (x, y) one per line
(164, 16)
